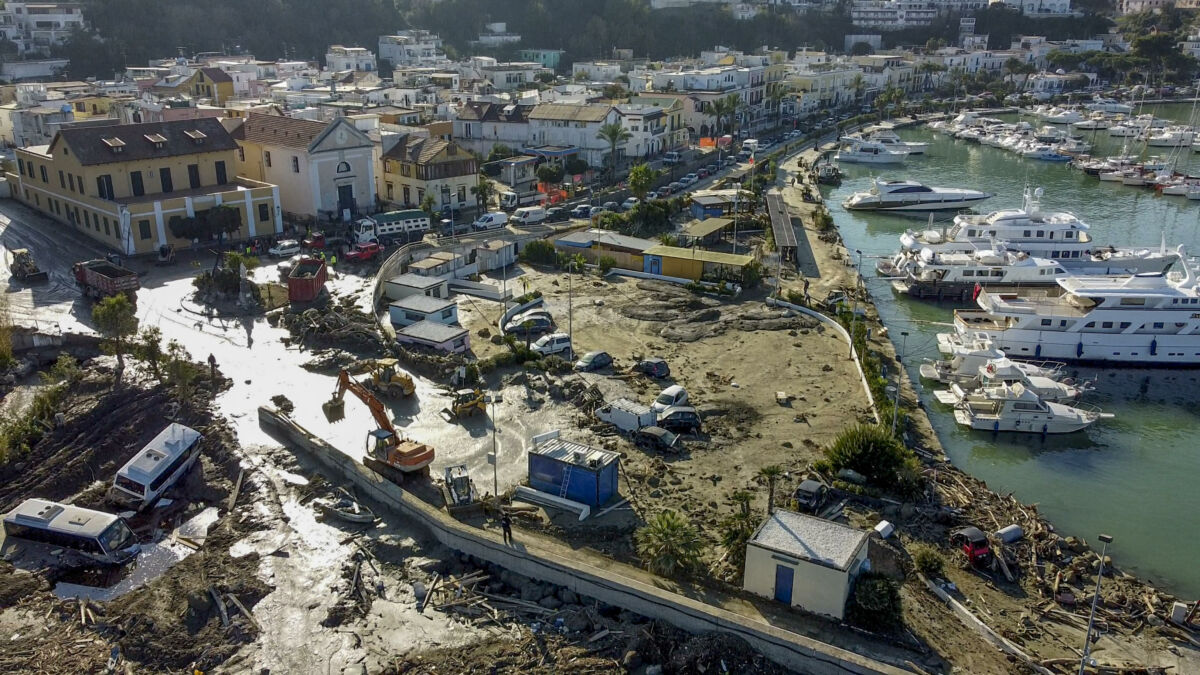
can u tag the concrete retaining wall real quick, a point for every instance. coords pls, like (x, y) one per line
(606, 584)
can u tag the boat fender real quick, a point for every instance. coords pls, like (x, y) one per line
(996, 426)
(1154, 347)
(1079, 349)
(991, 369)
(1045, 428)
(1037, 352)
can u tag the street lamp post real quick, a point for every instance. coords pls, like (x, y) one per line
(899, 378)
(854, 305)
(493, 399)
(1087, 639)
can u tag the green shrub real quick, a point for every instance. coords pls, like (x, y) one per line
(606, 264)
(875, 604)
(869, 449)
(539, 252)
(670, 544)
(927, 560)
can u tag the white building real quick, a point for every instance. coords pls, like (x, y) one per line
(647, 127)
(409, 310)
(513, 75)
(496, 34)
(575, 127)
(349, 58)
(1036, 8)
(1135, 6)
(805, 562)
(38, 26)
(1191, 46)
(892, 14)
(481, 125)
(596, 71)
(412, 48)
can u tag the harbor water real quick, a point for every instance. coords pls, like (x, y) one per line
(1134, 476)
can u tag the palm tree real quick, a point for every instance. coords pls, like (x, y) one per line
(669, 544)
(1012, 66)
(772, 474)
(726, 107)
(615, 134)
(858, 84)
(927, 68)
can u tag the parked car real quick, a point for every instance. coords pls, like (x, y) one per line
(557, 215)
(681, 419)
(554, 343)
(581, 211)
(364, 252)
(593, 361)
(612, 206)
(284, 248)
(672, 158)
(729, 161)
(654, 367)
(673, 395)
(532, 324)
(702, 172)
(676, 186)
(810, 495)
(712, 169)
(491, 221)
(657, 439)
(628, 204)
(595, 211)
(974, 545)
(664, 192)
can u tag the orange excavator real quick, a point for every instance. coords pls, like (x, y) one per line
(387, 453)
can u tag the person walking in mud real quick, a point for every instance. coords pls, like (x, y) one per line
(506, 525)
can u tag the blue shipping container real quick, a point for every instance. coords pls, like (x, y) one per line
(589, 474)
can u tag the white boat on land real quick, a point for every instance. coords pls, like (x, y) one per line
(859, 151)
(909, 195)
(1004, 371)
(1147, 319)
(1017, 408)
(890, 140)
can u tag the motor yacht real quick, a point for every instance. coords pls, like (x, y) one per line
(1017, 408)
(891, 141)
(859, 151)
(909, 195)
(1005, 371)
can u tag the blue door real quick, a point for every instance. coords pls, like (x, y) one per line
(783, 583)
(655, 265)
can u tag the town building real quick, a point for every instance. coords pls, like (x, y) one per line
(323, 170)
(496, 35)
(35, 27)
(210, 83)
(548, 58)
(414, 308)
(434, 335)
(23, 125)
(892, 14)
(412, 48)
(1191, 46)
(647, 127)
(1134, 6)
(123, 184)
(340, 58)
(574, 128)
(483, 125)
(1036, 8)
(404, 285)
(594, 244)
(414, 165)
(694, 264)
(804, 561)
(573, 471)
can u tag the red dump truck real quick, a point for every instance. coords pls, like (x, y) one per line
(306, 280)
(101, 278)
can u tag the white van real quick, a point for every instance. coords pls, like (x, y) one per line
(156, 467)
(529, 215)
(554, 343)
(626, 415)
(491, 221)
(750, 144)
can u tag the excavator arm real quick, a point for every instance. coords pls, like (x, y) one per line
(346, 383)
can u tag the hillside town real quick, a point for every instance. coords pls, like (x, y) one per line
(499, 355)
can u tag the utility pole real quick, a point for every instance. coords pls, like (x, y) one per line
(495, 458)
(1087, 639)
(899, 379)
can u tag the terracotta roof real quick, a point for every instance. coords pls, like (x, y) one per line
(494, 112)
(93, 145)
(216, 75)
(570, 113)
(420, 149)
(288, 132)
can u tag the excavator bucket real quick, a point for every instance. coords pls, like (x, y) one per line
(334, 409)
(447, 414)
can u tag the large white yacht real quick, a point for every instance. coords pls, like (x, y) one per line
(859, 151)
(892, 141)
(1003, 371)
(909, 195)
(1017, 408)
(1061, 237)
(1145, 319)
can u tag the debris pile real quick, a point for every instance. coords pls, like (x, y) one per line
(340, 324)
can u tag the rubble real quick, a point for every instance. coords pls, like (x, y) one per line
(339, 324)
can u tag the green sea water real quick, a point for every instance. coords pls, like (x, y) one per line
(1137, 476)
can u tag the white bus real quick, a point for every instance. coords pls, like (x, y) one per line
(156, 467)
(391, 227)
(94, 534)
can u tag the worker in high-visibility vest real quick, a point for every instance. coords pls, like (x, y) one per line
(333, 260)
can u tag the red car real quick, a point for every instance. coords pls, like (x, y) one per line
(364, 252)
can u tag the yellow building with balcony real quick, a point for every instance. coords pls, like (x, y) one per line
(122, 184)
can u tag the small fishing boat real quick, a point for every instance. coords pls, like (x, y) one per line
(345, 508)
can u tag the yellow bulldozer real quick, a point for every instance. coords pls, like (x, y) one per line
(466, 402)
(24, 268)
(388, 380)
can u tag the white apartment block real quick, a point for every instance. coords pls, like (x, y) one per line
(892, 14)
(596, 71)
(1135, 6)
(340, 58)
(560, 125)
(37, 26)
(1037, 8)
(412, 48)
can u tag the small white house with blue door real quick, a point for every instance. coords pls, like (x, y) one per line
(572, 470)
(805, 562)
(413, 308)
